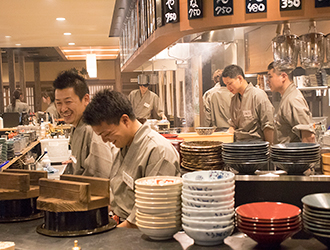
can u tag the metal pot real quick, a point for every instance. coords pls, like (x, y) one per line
(327, 50)
(312, 50)
(285, 51)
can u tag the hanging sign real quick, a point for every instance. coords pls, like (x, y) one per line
(290, 5)
(322, 3)
(195, 9)
(171, 11)
(223, 7)
(256, 6)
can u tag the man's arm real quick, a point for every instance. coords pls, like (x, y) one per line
(269, 135)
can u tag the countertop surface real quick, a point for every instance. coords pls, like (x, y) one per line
(25, 237)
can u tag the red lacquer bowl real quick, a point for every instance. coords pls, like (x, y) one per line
(268, 211)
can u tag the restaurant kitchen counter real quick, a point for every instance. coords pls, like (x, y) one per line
(26, 238)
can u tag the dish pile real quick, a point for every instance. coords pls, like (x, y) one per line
(268, 223)
(295, 157)
(208, 206)
(158, 202)
(316, 216)
(326, 163)
(201, 155)
(246, 157)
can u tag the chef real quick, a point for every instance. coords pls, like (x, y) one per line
(216, 103)
(143, 152)
(92, 157)
(145, 102)
(293, 118)
(250, 109)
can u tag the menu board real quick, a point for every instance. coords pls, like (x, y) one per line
(159, 14)
(322, 3)
(171, 11)
(223, 7)
(256, 6)
(195, 9)
(290, 5)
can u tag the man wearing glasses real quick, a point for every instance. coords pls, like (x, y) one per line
(145, 103)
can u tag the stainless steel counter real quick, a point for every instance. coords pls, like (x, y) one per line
(26, 238)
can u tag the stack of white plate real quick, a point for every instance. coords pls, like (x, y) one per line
(158, 202)
(208, 206)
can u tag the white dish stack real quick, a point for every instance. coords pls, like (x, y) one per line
(158, 202)
(208, 206)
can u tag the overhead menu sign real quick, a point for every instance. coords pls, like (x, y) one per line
(195, 9)
(171, 11)
(223, 7)
(290, 5)
(256, 6)
(322, 3)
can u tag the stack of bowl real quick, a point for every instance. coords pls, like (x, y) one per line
(201, 155)
(158, 202)
(316, 216)
(268, 223)
(326, 163)
(208, 206)
(295, 157)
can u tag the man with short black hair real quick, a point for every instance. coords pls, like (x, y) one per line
(250, 110)
(143, 151)
(93, 156)
(293, 119)
(217, 103)
(146, 103)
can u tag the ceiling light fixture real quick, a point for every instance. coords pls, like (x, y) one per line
(103, 55)
(18, 44)
(91, 65)
(91, 50)
(67, 34)
(7, 36)
(60, 19)
(71, 43)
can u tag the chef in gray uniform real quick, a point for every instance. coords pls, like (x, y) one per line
(145, 102)
(250, 109)
(216, 103)
(92, 156)
(143, 152)
(293, 119)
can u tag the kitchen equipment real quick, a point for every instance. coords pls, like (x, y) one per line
(19, 191)
(312, 48)
(158, 202)
(295, 157)
(316, 216)
(74, 206)
(246, 157)
(268, 223)
(208, 219)
(286, 49)
(327, 51)
(58, 149)
(205, 130)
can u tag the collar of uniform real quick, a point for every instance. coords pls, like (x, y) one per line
(289, 89)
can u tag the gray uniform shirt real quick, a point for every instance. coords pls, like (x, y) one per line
(150, 154)
(52, 110)
(144, 105)
(94, 157)
(216, 106)
(19, 107)
(251, 114)
(293, 115)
